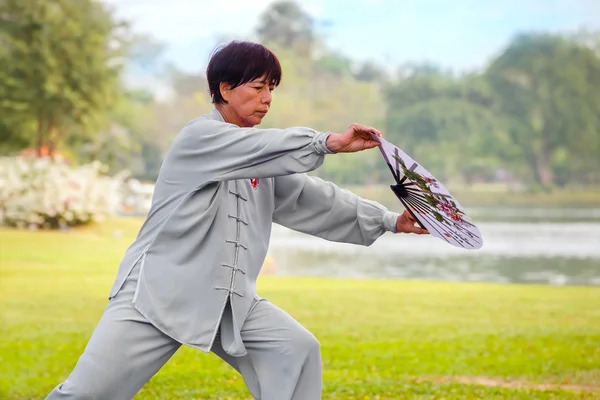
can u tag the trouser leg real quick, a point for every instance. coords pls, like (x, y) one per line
(283, 360)
(124, 352)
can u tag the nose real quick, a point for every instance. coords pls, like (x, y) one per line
(267, 96)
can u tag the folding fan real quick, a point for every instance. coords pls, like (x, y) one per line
(427, 200)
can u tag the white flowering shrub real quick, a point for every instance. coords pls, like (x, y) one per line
(39, 193)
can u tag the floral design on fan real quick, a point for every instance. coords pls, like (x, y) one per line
(437, 201)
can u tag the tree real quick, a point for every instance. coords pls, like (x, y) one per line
(548, 88)
(370, 72)
(444, 122)
(286, 25)
(59, 68)
(589, 38)
(334, 64)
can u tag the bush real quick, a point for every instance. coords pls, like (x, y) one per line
(49, 194)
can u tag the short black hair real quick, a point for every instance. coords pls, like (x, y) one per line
(239, 62)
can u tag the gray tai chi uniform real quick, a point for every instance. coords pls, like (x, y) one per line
(190, 276)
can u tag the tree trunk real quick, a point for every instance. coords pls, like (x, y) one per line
(543, 170)
(52, 139)
(40, 135)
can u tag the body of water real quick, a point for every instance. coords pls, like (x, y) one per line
(547, 246)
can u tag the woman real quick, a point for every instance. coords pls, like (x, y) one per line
(190, 275)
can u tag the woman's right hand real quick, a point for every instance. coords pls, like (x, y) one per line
(356, 138)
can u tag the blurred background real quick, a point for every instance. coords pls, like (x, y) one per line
(500, 101)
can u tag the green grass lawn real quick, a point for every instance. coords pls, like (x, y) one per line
(380, 339)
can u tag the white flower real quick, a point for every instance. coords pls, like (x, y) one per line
(42, 192)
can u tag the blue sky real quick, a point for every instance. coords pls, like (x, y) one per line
(457, 34)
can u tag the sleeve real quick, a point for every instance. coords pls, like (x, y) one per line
(211, 151)
(313, 206)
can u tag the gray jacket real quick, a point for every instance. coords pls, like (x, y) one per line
(207, 232)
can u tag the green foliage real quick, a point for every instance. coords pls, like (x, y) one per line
(121, 143)
(284, 23)
(549, 90)
(444, 123)
(59, 68)
(533, 112)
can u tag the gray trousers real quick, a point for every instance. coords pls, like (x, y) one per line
(125, 351)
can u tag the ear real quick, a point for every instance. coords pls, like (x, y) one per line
(225, 90)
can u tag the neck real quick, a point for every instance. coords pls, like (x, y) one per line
(227, 114)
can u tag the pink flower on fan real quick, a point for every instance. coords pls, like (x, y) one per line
(431, 182)
(446, 207)
(456, 216)
(450, 211)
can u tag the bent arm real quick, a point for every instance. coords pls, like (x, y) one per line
(313, 206)
(210, 151)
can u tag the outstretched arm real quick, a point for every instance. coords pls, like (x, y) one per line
(210, 151)
(313, 206)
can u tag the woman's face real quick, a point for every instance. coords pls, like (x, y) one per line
(247, 104)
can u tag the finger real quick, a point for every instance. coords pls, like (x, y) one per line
(367, 129)
(419, 231)
(409, 216)
(412, 226)
(369, 144)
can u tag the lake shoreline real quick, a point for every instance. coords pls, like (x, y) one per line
(494, 195)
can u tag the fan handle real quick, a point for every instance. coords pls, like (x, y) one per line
(401, 192)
